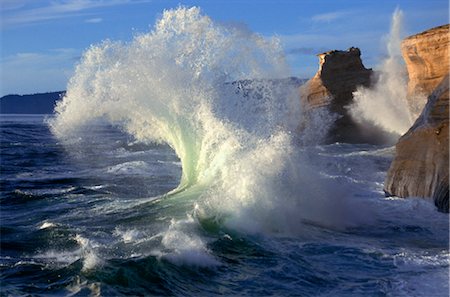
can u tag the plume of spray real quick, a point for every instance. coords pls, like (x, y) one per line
(183, 84)
(385, 104)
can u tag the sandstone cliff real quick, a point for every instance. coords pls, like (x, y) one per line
(421, 164)
(426, 57)
(339, 74)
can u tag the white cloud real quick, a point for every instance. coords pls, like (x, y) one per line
(58, 10)
(331, 16)
(29, 72)
(94, 20)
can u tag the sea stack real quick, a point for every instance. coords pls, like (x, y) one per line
(421, 164)
(339, 74)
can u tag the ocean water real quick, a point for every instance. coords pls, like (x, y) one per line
(94, 218)
(174, 166)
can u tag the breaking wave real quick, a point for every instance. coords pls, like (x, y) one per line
(217, 96)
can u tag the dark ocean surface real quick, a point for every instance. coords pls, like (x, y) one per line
(93, 218)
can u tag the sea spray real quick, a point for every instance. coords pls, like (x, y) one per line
(385, 104)
(164, 86)
(213, 93)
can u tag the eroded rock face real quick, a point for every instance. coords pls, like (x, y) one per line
(426, 57)
(421, 164)
(339, 74)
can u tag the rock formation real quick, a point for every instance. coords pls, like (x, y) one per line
(420, 167)
(421, 164)
(426, 57)
(339, 74)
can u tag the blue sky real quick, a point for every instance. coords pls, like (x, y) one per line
(42, 40)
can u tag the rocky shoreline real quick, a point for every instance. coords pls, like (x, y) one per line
(421, 164)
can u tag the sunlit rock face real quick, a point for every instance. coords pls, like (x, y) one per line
(421, 164)
(426, 58)
(339, 75)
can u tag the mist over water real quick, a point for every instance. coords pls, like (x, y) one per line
(385, 104)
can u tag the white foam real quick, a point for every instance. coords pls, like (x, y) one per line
(39, 192)
(59, 258)
(182, 246)
(132, 167)
(46, 224)
(98, 187)
(78, 285)
(86, 252)
(421, 274)
(128, 235)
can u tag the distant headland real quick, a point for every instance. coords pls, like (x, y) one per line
(41, 103)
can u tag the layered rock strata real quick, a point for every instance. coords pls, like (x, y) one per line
(339, 74)
(426, 57)
(421, 164)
